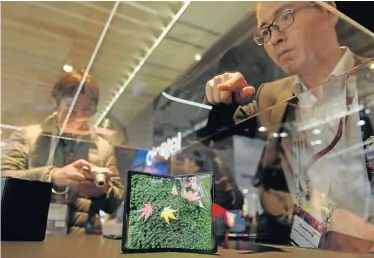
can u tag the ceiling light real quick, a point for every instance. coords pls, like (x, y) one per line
(262, 129)
(283, 135)
(316, 131)
(372, 66)
(198, 57)
(361, 123)
(367, 111)
(245, 191)
(67, 68)
(275, 135)
(316, 142)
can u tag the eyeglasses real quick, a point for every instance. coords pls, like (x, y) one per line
(281, 22)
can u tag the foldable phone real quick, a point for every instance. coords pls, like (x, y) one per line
(164, 213)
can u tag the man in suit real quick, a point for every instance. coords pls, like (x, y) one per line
(301, 39)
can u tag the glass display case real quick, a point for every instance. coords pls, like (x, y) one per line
(79, 81)
(134, 86)
(335, 176)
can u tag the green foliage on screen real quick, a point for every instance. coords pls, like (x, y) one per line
(191, 230)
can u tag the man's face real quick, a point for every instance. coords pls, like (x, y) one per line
(304, 42)
(81, 114)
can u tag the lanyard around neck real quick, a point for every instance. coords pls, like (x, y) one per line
(350, 86)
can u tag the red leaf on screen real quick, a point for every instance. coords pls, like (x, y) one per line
(146, 211)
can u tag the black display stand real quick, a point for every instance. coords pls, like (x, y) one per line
(24, 209)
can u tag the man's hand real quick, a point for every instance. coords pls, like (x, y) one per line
(70, 175)
(88, 188)
(219, 89)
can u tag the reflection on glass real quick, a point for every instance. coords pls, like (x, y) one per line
(150, 49)
(207, 60)
(313, 125)
(326, 153)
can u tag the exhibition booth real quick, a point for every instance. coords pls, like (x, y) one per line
(92, 90)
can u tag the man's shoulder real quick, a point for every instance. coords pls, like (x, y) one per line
(280, 83)
(30, 131)
(102, 142)
(25, 135)
(103, 145)
(276, 91)
(34, 130)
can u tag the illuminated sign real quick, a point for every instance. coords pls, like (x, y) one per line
(166, 149)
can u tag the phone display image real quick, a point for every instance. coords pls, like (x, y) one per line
(169, 213)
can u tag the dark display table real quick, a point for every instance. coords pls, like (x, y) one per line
(71, 246)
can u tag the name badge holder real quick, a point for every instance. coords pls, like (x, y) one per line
(58, 218)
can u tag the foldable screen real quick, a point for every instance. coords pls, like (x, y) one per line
(169, 213)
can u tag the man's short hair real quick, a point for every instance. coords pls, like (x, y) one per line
(68, 85)
(254, 8)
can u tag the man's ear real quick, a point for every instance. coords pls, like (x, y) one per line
(332, 17)
(332, 3)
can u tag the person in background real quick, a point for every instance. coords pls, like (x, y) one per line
(301, 38)
(199, 159)
(37, 152)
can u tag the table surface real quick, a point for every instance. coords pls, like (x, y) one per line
(94, 246)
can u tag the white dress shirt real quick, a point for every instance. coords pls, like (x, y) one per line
(339, 178)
